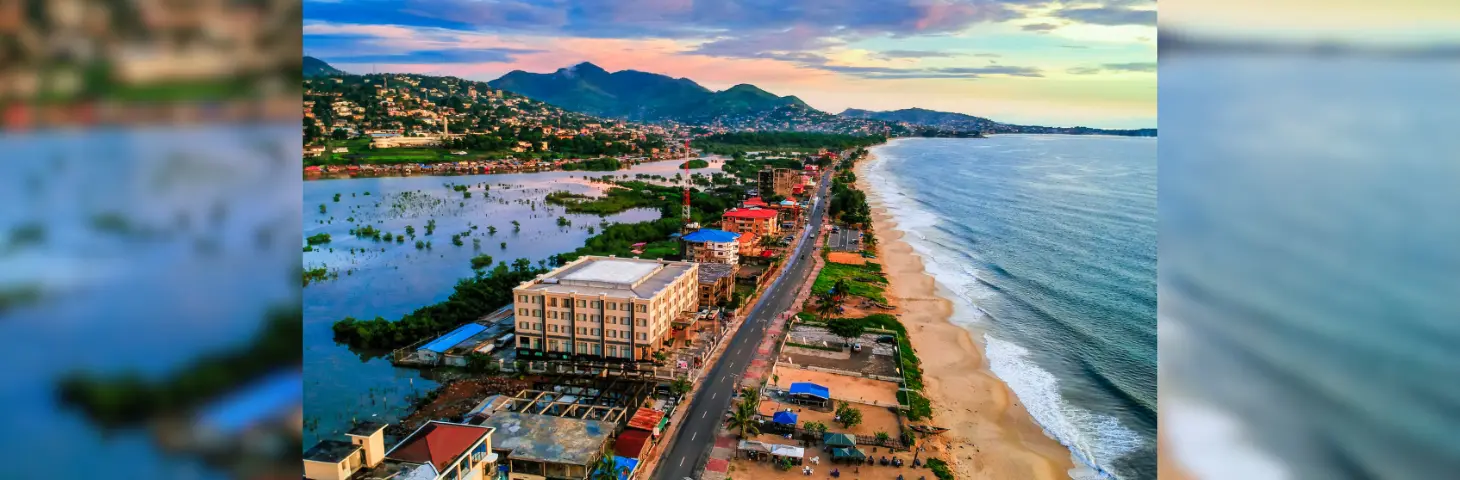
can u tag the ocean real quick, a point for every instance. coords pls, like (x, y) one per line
(1048, 244)
(1310, 306)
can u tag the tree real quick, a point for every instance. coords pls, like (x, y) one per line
(411, 231)
(680, 386)
(744, 419)
(827, 304)
(491, 230)
(882, 438)
(481, 261)
(456, 240)
(340, 134)
(516, 227)
(816, 429)
(847, 415)
(846, 328)
(608, 469)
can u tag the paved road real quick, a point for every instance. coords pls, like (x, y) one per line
(691, 446)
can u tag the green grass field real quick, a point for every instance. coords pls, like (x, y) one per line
(864, 282)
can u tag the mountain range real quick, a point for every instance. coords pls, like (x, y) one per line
(314, 67)
(651, 97)
(640, 96)
(963, 122)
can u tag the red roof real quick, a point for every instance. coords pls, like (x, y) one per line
(312, 168)
(630, 444)
(767, 253)
(646, 419)
(754, 202)
(751, 213)
(439, 444)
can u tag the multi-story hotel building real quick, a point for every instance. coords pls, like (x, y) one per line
(708, 245)
(777, 181)
(604, 307)
(751, 221)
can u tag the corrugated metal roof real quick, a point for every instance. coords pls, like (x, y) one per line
(456, 336)
(711, 235)
(808, 388)
(646, 419)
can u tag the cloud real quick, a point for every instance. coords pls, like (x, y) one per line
(1039, 27)
(1108, 15)
(891, 54)
(483, 55)
(882, 73)
(1141, 67)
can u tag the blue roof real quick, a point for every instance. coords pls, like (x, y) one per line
(256, 403)
(628, 464)
(456, 336)
(711, 235)
(808, 388)
(786, 418)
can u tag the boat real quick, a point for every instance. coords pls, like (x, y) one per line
(927, 429)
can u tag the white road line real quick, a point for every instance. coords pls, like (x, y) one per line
(694, 436)
(702, 415)
(681, 461)
(713, 395)
(737, 351)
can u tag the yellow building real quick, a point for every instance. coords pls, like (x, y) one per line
(604, 307)
(437, 450)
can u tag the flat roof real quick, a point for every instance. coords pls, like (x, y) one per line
(618, 277)
(546, 438)
(365, 429)
(330, 451)
(713, 272)
(613, 270)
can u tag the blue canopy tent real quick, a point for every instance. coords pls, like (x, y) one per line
(784, 418)
(807, 392)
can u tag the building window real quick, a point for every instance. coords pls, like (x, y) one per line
(582, 348)
(582, 303)
(612, 306)
(522, 311)
(582, 331)
(595, 331)
(643, 323)
(522, 325)
(596, 304)
(594, 318)
(643, 336)
(582, 317)
(536, 312)
(522, 298)
(553, 302)
(643, 308)
(597, 349)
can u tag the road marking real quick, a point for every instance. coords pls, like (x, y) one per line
(681, 461)
(737, 351)
(694, 436)
(713, 395)
(702, 415)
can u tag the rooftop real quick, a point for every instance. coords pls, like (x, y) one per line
(330, 451)
(713, 272)
(618, 277)
(756, 213)
(456, 336)
(438, 443)
(545, 438)
(365, 429)
(711, 235)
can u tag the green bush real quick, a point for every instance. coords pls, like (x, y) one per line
(940, 469)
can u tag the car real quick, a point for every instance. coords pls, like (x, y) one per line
(888, 339)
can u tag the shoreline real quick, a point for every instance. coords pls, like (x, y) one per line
(992, 436)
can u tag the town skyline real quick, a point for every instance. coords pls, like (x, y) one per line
(1017, 62)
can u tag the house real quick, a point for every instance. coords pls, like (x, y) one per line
(754, 221)
(717, 283)
(341, 150)
(450, 450)
(708, 245)
(313, 150)
(339, 460)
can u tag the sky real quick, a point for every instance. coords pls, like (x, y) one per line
(1356, 22)
(1087, 63)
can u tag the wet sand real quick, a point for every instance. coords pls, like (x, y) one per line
(992, 436)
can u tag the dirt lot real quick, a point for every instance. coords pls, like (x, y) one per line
(875, 358)
(841, 386)
(847, 258)
(457, 398)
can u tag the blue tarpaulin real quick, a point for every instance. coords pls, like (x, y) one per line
(810, 389)
(456, 336)
(785, 418)
(625, 466)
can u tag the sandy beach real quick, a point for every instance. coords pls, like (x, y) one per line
(992, 436)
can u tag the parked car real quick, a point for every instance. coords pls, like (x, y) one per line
(887, 339)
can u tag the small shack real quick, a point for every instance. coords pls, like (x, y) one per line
(835, 440)
(431, 352)
(807, 393)
(848, 455)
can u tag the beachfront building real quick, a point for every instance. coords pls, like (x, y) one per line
(603, 307)
(339, 460)
(755, 221)
(777, 181)
(548, 446)
(708, 245)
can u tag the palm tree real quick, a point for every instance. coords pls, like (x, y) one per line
(744, 419)
(826, 304)
(607, 469)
